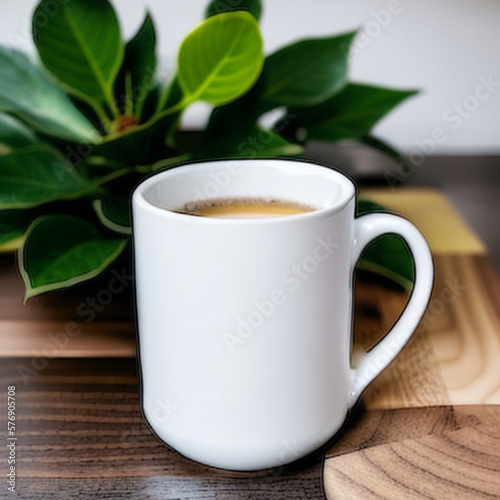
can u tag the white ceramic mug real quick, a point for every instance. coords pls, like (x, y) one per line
(245, 325)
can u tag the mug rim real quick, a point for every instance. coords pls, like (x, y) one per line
(139, 199)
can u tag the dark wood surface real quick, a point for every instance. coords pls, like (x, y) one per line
(81, 436)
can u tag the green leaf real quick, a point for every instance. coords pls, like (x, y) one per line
(221, 58)
(215, 7)
(264, 143)
(257, 142)
(138, 68)
(114, 213)
(14, 134)
(364, 206)
(306, 73)
(13, 224)
(349, 114)
(230, 123)
(388, 255)
(61, 251)
(80, 44)
(228, 126)
(36, 175)
(27, 93)
(165, 164)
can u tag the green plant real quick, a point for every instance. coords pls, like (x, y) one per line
(79, 130)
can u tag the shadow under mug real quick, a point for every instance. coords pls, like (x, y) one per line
(245, 325)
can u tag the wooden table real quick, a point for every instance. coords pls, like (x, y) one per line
(428, 427)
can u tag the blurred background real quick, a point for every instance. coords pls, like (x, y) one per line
(447, 49)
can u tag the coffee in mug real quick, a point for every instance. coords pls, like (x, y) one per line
(244, 208)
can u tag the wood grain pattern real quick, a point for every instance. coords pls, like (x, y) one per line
(453, 358)
(425, 453)
(465, 337)
(81, 435)
(105, 327)
(412, 379)
(434, 452)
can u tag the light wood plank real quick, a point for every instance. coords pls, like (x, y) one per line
(422, 453)
(453, 358)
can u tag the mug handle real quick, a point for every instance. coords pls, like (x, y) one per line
(366, 229)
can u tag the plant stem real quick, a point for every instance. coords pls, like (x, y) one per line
(101, 114)
(184, 103)
(167, 162)
(112, 105)
(129, 103)
(177, 107)
(180, 106)
(114, 175)
(144, 169)
(101, 161)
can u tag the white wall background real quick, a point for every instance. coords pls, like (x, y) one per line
(446, 48)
